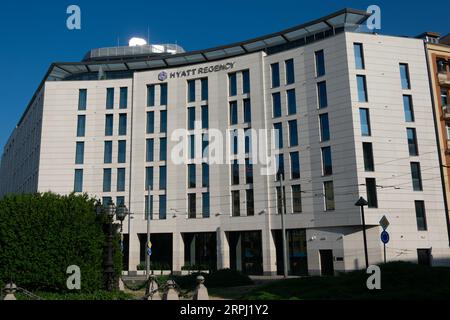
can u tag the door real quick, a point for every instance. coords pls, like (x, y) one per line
(326, 262)
(424, 257)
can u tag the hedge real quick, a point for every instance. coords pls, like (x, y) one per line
(42, 234)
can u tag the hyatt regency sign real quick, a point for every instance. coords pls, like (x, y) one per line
(163, 75)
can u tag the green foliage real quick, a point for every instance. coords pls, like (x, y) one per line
(98, 295)
(42, 234)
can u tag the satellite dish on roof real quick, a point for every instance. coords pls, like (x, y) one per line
(134, 42)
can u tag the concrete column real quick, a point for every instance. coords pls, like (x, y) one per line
(223, 250)
(178, 252)
(134, 252)
(269, 253)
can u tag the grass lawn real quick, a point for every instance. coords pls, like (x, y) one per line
(399, 280)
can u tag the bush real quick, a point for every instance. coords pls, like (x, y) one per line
(42, 234)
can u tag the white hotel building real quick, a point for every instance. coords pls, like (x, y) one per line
(355, 115)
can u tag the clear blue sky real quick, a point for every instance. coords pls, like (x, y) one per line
(34, 33)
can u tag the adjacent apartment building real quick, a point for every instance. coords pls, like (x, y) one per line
(353, 113)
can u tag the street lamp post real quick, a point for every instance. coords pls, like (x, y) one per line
(362, 203)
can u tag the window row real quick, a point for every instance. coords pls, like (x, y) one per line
(246, 111)
(107, 178)
(151, 94)
(191, 92)
(291, 103)
(149, 183)
(233, 79)
(150, 125)
(289, 73)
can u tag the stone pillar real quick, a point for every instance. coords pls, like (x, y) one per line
(269, 253)
(134, 252)
(171, 293)
(178, 252)
(201, 293)
(152, 290)
(10, 290)
(223, 250)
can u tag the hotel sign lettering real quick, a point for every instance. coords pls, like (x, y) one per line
(163, 75)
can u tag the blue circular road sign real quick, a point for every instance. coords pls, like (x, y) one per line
(149, 251)
(384, 237)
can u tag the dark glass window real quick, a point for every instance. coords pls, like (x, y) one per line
(191, 145)
(163, 96)
(81, 126)
(293, 134)
(123, 98)
(327, 164)
(408, 108)
(204, 84)
(122, 124)
(106, 180)
(205, 205)
(412, 142)
(109, 124)
(107, 156)
(122, 151)
(191, 118)
(79, 153)
(250, 202)
(205, 175)
(205, 117)
(320, 63)
(150, 122)
(364, 118)
(148, 207)
(232, 84)
(151, 95)
(416, 176)
(233, 113)
(163, 121)
(120, 179)
(110, 98)
(329, 195)
(163, 149)
(248, 140)
(235, 172)
(296, 198)
(162, 178)
(236, 203)
(276, 104)
(368, 157)
(148, 178)
(246, 81)
(82, 99)
(371, 186)
(192, 206)
(275, 70)
(191, 90)
(280, 166)
(191, 176)
(162, 207)
(362, 88)
(420, 215)
(291, 102)
(404, 76)
(278, 127)
(149, 150)
(247, 111)
(324, 127)
(248, 171)
(295, 165)
(359, 55)
(322, 94)
(78, 181)
(290, 74)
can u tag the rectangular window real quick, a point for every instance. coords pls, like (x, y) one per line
(205, 117)
(205, 143)
(191, 90)
(163, 121)
(290, 74)
(163, 149)
(81, 126)
(163, 94)
(412, 142)
(191, 176)
(110, 98)
(245, 81)
(278, 127)
(151, 95)
(236, 202)
(320, 63)
(204, 84)
(248, 171)
(120, 200)
(162, 178)
(150, 144)
(120, 179)
(324, 127)
(122, 151)
(234, 141)
(149, 178)
(322, 94)
(275, 71)
(327, 164)
(123, 98)
(364, 118)
(250, 202)
(79, 153)
(416, 176)
(150, 122)
(235, 172)
(280, 166)
(78, 181)
(421, 215)
(122, 124)
(106, 180)
(296, 198)
(279, 200)
(368, 157)
(293, 134)
(233, 113)
(404, 76)
(444, 98)
(192, 206)
(109, 124)
(191, 146)
(247, 111)
(191, 118)
(205, 175)
(148, 207)
(107, 155)
(291, 102)
(371, 186)
(82, 99)
(408, 108)
(205, 205)
(276, 104)
(329, 195)
(106, 200)
(362, 88)
(295, 165)
(232, 84)
(359, 56)
(248, 140)
(162, 207)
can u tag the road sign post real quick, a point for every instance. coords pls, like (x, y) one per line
(384, 223)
